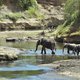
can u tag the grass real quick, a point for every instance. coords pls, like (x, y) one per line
(34, 13)
(64, 30)
(14, 16)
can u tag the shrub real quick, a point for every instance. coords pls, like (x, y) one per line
(14, 16)
(33, 12)
(25, 4)
(1, 2)
(72, 11)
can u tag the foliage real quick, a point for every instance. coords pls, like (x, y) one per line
(14, 16)
(34, 12)
(1, 2)
(72, 18)
(63, 29)
(72, 11)
(25, 4)
(30, 7)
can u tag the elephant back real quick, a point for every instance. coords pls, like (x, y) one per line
(48, 43)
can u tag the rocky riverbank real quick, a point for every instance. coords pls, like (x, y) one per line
(69, 39)
(69, 67)
(8, 54)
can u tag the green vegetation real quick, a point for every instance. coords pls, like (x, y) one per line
(1, 2)
(25, 4)
(14, 16)
(28, 9)
(72, 11)
(72, 18)
(31, 8)
(33, 12)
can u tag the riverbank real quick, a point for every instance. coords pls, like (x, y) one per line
(37, 34)
(21, 33)
(69, 67)
(8, 53)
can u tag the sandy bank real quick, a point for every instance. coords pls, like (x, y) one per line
(66, 67)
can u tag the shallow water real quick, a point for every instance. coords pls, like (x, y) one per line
(26, 68)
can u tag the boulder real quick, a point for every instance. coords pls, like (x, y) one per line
(11, 39)
(9, 54)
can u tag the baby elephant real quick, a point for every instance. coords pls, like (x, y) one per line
(45, 44)
(75, 48)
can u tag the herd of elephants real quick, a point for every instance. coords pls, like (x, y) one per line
(75, 48)
(51, 44)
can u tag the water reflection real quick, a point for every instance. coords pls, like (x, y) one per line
(44, 59)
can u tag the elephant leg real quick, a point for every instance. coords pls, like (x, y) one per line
(42, 50)
(74, 52)
(78, 53)
(68, 51)
(53, 51)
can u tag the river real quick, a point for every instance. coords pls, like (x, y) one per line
(27, 66)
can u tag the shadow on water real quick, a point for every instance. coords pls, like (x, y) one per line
(44, 59)
(38, 59)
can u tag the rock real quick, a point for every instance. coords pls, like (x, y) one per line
(11, 39)
(8, 54)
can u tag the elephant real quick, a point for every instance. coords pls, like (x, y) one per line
(71, 47)
(45, 44)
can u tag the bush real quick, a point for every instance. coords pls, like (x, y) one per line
(34, 12)
(14, 16)
(72, 11)
(1, 2)
(25, 4)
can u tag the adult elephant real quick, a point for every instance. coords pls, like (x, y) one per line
(70, 47)
(46, 44)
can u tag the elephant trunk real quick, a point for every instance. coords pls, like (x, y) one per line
(36, 46)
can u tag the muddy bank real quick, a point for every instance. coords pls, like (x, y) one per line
(69, 39)
(69, 68)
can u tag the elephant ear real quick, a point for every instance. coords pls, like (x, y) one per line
(42, 40)
(39, 41)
